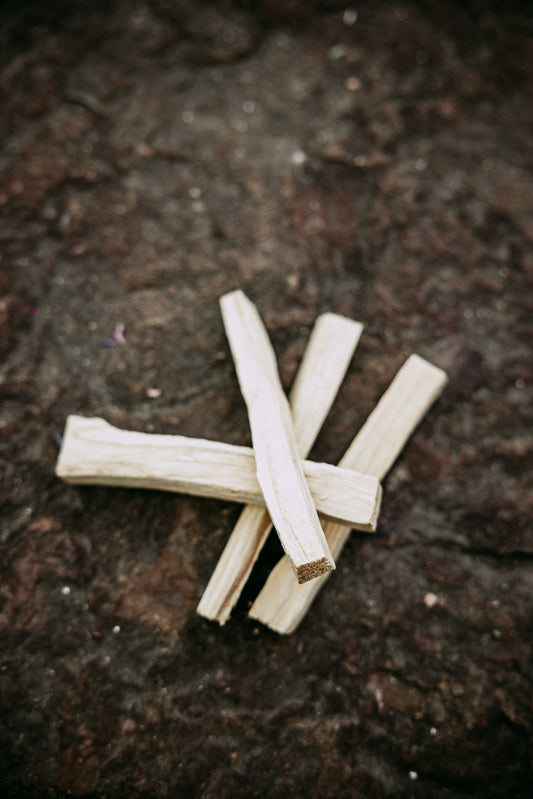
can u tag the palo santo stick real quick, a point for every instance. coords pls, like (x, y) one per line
(323, 366)
(94, 452)
(278, 463)
(326, 358)
(281, 604)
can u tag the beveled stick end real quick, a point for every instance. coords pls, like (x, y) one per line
(313, 569)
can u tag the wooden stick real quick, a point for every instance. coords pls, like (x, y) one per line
(278, 463)
(94, 452)
(281, 604)
(324, 364)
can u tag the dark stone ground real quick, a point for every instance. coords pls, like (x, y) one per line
(171, 179)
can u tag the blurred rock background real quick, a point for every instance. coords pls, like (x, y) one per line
(374, 161)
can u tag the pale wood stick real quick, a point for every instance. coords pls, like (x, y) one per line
(278, 463)
(94, 452)
(281, 604)
(327, 355)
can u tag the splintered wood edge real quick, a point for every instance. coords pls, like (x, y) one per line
(281, 605)
(278, 463)
(323, 366)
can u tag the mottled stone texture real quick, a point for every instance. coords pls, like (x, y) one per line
(155, 155)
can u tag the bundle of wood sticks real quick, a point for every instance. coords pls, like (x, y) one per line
(313, 506)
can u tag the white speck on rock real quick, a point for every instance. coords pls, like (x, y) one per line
(352, 84)
(349, 17)
(298, 157)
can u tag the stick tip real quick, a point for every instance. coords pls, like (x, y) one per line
(441, 377)
(315, 568)
(231, 296)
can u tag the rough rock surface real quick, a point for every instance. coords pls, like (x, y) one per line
(155, 155)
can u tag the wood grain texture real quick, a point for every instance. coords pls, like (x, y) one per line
(279, 467)
(281, 604)
(94, 452)
(326, 358)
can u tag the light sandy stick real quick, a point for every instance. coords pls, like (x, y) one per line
(278, 463)
(94, 452)
(281, 604)
(323, 366)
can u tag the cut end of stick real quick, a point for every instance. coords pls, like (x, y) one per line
(375, 515)
(219, 616)
(314, 569)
